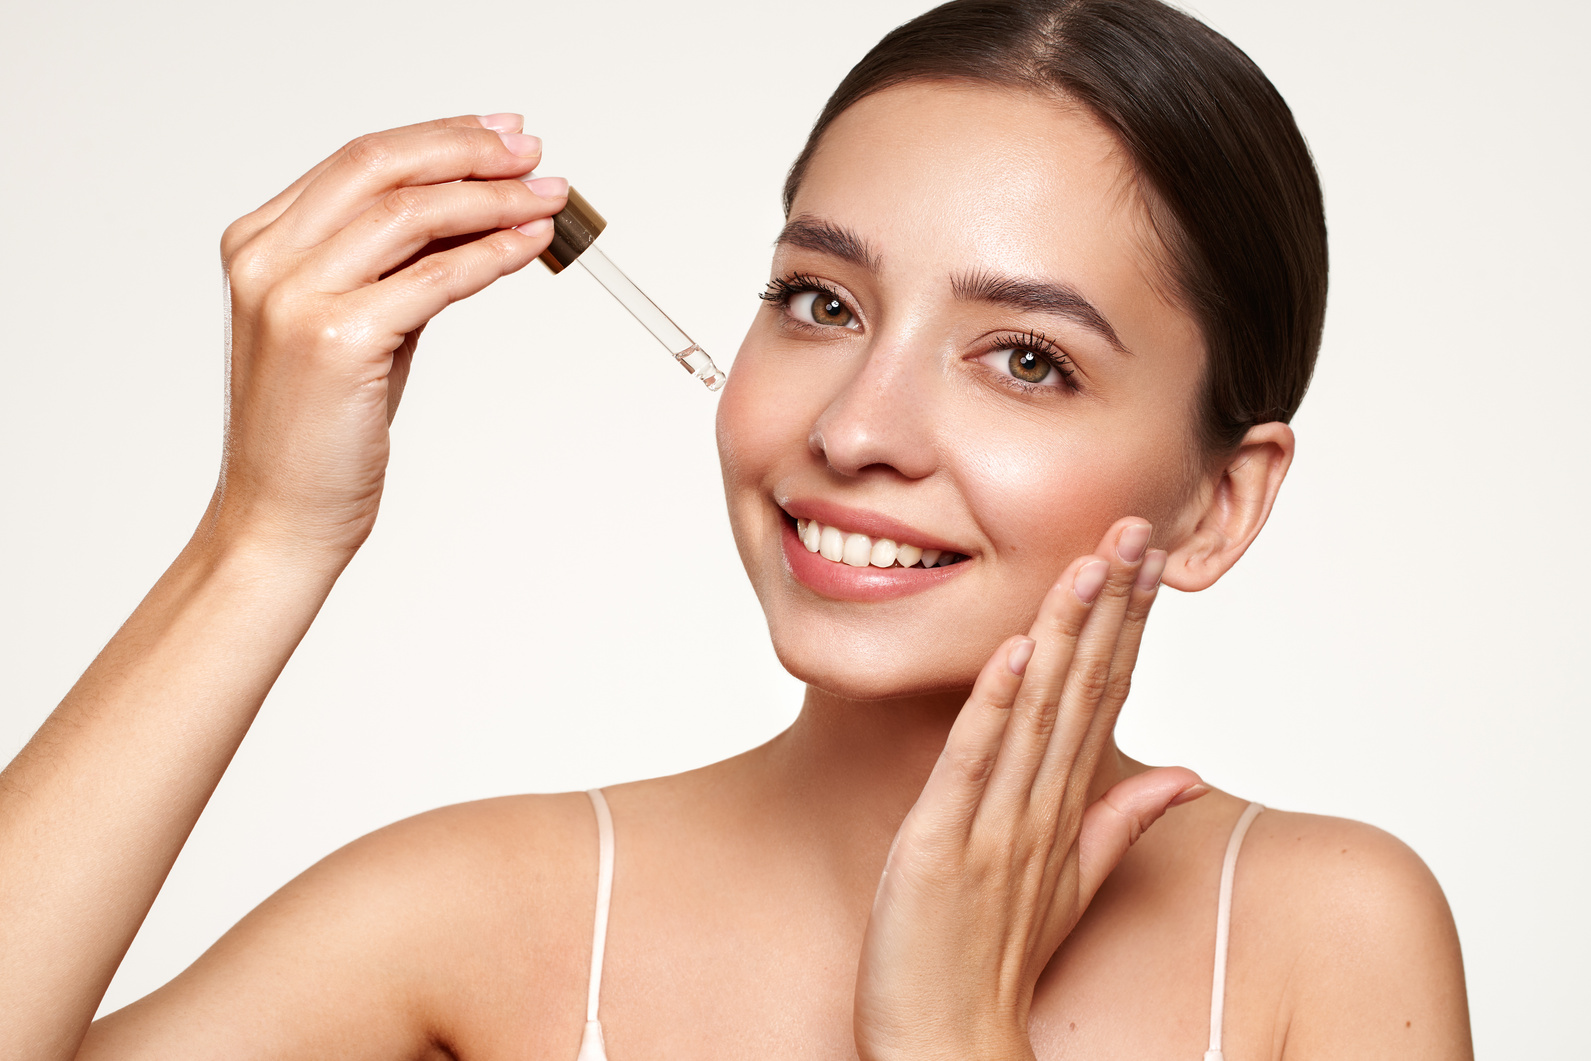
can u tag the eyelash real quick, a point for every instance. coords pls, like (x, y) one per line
(781, 289)
(1032, 342)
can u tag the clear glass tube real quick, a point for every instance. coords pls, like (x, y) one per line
(654, 320)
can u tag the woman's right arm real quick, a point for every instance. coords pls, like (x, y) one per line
(331, 283)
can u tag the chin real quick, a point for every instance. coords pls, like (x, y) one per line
(870, 666)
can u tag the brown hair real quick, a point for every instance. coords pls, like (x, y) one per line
(1227, 175)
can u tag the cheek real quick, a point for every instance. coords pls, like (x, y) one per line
(762, 426)
(759, 420)
(1045, 504)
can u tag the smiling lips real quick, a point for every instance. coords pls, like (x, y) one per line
(847, 565)
(859, 550)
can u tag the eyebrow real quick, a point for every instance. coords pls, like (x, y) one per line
(1036, 296)
(1019, 293)
(826, 237)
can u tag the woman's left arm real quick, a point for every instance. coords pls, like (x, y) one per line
(1003, 850)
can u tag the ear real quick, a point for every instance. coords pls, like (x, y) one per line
(1230, 508)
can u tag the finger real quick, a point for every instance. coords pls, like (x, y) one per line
(1119, 817)
(1054, 631)
(1145, 590)
(371, 166)
(1049, 723)
(412, 296)
(1087, 680)
(398, 374)
(956, 785)
(407, 219)
(248, 226)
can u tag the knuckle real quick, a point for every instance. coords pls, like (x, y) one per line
(405, 206)
(277, 307)
(248, 269)
(510, 195)
(431, 271)
(235, 236)
(475, 141)
(1118, 686)
(1039, 719)
(1120, 581)
(370, 153)
(1091, 680)
(972, 768)
(503, 247)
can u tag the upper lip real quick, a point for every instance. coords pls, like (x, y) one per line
(873, 524)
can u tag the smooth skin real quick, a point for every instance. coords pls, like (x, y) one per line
(1028, 908)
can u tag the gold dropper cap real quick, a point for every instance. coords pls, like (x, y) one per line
(574, 228)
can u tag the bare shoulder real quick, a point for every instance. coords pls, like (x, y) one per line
(463, 930)
(1360, 934)
(1342, 869)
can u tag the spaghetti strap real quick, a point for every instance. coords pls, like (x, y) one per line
(1223, 929)
(592, 1047)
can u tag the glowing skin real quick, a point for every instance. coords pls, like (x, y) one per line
(902, 402)
(893, 417)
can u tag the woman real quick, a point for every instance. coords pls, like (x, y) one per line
(1051, 285)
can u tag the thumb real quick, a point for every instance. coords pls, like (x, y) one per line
(398, 374)
(1119, 817)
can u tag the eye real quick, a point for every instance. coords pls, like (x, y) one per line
(1028, 366)
(1030, 362)
(821, 308)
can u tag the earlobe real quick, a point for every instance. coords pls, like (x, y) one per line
(1234, 505)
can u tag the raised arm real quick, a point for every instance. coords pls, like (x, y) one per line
(331, 283)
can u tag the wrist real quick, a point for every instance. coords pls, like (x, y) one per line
(280, 584)
(225, 544)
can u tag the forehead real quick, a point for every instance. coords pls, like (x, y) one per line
(948, 177)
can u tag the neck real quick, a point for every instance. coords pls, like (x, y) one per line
(848, 771)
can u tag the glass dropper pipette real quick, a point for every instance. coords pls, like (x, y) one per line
(574, 229)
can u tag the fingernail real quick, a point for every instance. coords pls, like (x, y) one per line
(503, 122)
(549, 187)
(1189, 794)
(535, 229)
(1021, 652)
(1154, 567)
(1130, 546)
(521, 143)
(1090, 580)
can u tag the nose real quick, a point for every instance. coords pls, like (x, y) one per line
(882, 417)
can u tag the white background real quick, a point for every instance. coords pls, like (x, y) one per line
(551, 599)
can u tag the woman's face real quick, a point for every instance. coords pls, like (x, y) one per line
(971, 349)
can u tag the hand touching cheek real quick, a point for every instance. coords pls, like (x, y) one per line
(1003, 852)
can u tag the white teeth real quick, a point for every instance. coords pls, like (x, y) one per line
(832, 544)
(810, 535)
(858, 550)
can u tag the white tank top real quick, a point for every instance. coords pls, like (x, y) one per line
(593, 1049)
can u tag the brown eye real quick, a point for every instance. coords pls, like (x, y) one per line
(1029, 367)
(822, 308)
(826, 309)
